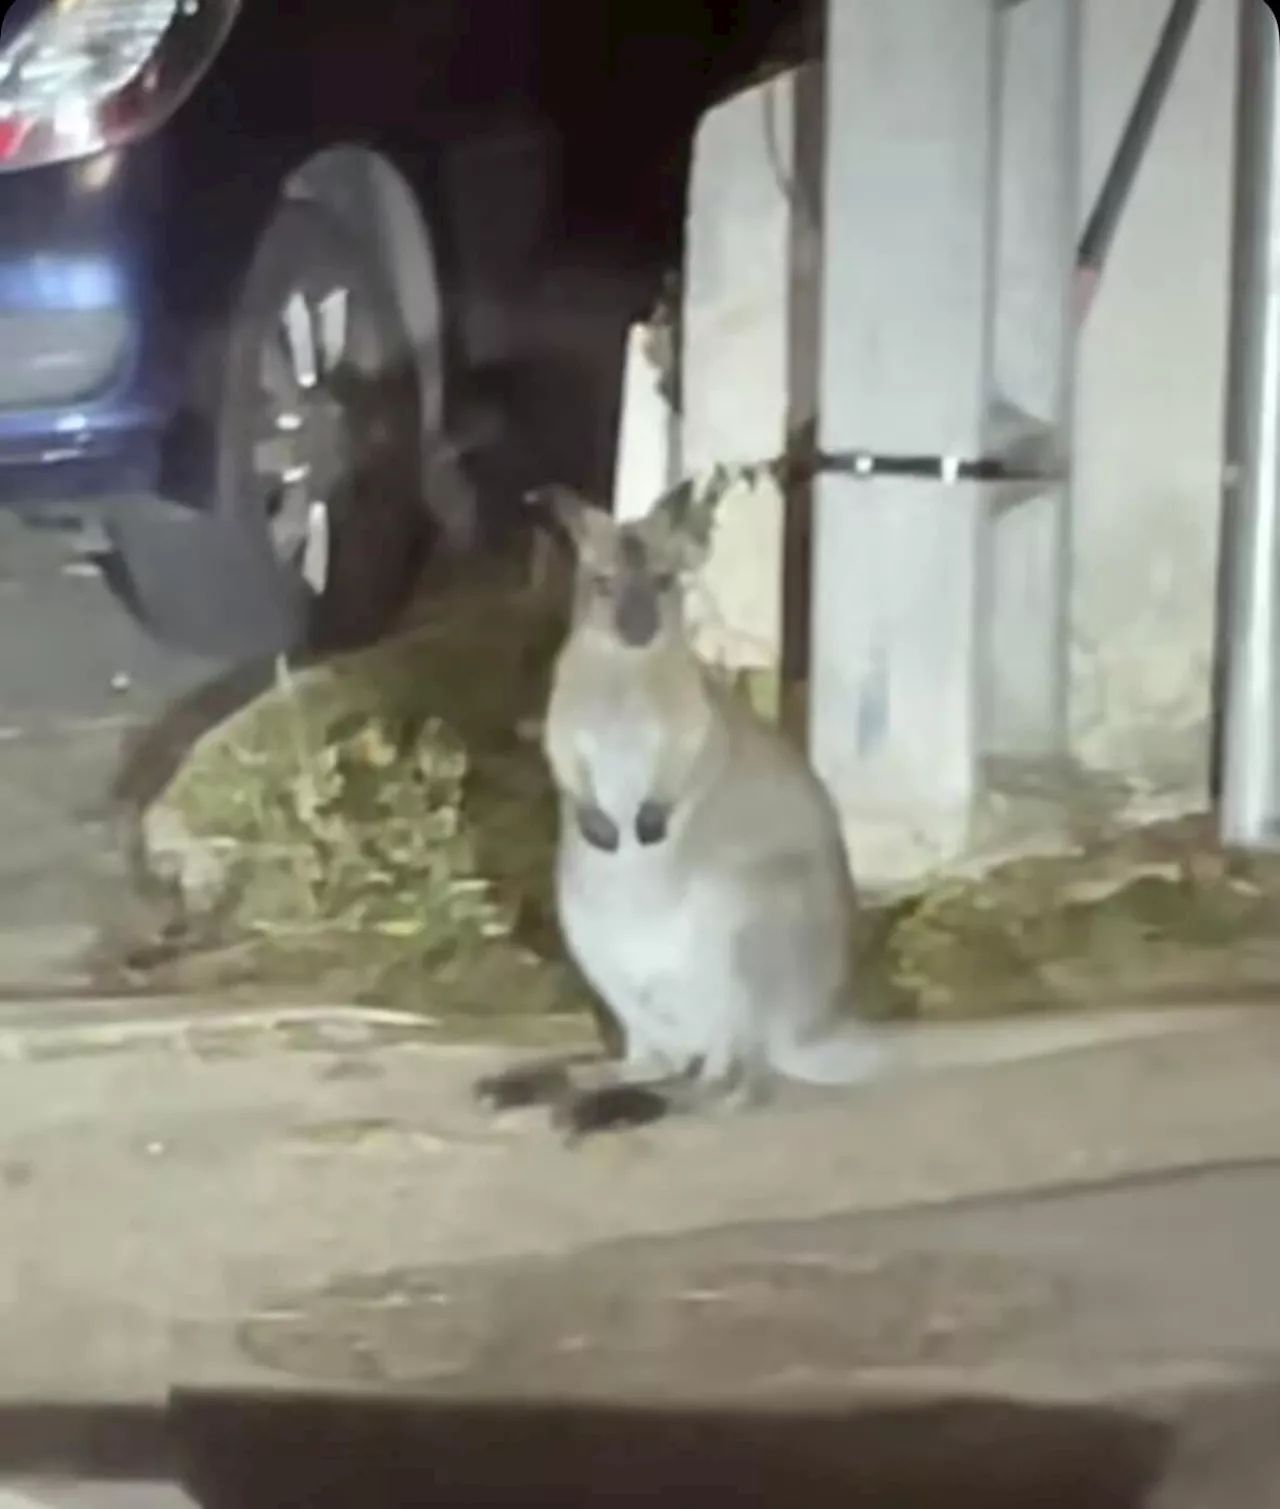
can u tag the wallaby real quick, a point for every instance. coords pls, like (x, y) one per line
(702, 882)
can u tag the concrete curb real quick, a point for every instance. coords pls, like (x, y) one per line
(64, 1025)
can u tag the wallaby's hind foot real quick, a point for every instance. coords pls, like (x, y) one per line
(545, 1082)
(609, 1108)
(626, 1105)
(607, 1101)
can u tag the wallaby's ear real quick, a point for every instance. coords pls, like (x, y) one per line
(672, 508)
(566, 506)
(681, 513)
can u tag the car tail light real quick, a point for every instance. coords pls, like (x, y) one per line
(84, 76)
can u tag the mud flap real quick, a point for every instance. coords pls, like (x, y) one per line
(203, 583)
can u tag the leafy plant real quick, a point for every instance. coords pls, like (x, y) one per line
(372, 831)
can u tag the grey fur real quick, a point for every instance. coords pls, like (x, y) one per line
(702, 881)
(718, 929)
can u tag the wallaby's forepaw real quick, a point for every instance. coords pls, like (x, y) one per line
(652, 822)
(609, 1108)
(522, 1086)
(597, 827)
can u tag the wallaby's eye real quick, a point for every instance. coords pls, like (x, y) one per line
(664, 581)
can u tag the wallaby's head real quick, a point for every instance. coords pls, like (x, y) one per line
(631, 577)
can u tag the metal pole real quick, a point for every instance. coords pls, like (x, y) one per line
(1250, 597)
(1108, 210)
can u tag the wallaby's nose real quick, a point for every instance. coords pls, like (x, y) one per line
(636, 614)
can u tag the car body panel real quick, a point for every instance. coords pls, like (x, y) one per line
(161, 232)
(120, 273)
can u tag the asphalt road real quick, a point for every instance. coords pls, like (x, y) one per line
(75, 676)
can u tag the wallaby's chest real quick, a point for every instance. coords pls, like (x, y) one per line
(620, 744)
(626, 921)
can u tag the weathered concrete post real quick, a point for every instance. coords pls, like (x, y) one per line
(939, 622)
(1024, 675)
(897, 563)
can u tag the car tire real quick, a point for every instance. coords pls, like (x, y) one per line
(319, 441)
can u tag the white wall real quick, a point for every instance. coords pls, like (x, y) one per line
(1149, 415)
(1150, 406)
(737, 355)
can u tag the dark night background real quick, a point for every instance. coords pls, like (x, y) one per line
(646, 69)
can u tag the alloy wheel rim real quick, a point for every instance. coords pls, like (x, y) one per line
(304, 442)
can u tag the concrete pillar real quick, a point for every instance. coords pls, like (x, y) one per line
(752, 237)
(646, 431)
(894, 709)
(1024, 671)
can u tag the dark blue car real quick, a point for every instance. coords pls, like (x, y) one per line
(254, 259)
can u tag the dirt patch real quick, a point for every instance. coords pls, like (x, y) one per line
(1160, 913)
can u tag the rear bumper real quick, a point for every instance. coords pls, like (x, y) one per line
(60, 356)
(66, 472)
(102, 313)
(96, 311)
(75, 420)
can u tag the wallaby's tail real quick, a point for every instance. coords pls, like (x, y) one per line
(849, 1056)
(859, 1053)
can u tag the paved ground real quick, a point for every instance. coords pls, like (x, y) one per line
(319, 1206)
(317, 1203)
(75, 676)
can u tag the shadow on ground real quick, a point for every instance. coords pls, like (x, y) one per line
(245, 1451)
